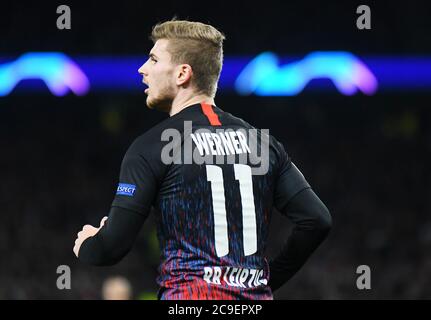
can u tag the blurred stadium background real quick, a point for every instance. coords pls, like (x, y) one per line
(366, 155)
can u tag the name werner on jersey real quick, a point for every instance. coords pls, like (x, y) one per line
(220, 143)
(229, 146)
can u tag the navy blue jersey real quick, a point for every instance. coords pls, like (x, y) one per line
(213, 200)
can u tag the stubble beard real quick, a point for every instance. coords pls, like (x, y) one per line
(163, 102)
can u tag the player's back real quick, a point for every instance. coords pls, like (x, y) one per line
(214, 203)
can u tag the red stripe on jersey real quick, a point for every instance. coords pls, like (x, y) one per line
(208, 111)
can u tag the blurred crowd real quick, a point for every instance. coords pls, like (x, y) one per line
(293, 27)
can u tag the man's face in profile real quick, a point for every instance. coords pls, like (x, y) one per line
(158, 74)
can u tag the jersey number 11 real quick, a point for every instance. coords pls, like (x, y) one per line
(243, 175)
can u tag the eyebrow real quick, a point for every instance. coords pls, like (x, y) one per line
(152, 55)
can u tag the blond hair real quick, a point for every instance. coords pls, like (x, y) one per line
(197, 44)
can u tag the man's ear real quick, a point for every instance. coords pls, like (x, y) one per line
(184, 74)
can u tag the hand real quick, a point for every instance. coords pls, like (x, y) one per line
(87, 232)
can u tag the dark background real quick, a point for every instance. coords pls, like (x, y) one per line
(366, 157)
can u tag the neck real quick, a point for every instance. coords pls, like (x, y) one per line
(182, 102)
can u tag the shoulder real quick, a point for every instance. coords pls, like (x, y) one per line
(279, 149)
(273, 142)
(150, 143)
(275, 146)
(228, 118)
